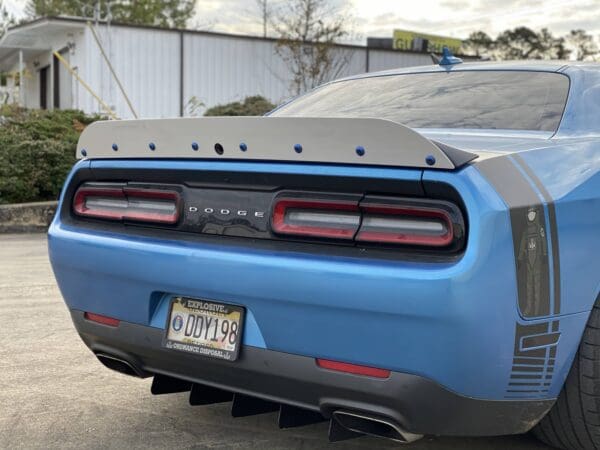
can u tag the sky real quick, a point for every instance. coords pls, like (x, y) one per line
(378, 18)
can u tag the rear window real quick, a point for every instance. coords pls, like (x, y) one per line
(476, 99)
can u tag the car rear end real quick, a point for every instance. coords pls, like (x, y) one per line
(382, 297)
(331, 322)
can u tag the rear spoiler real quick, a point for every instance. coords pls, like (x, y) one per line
(295, 139)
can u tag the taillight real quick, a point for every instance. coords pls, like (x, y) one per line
(318, 218)
(374, 219)
(406, 225)
(125, 203)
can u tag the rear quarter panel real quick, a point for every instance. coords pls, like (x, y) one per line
(570, 173)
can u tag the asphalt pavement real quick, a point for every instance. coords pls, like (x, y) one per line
(55, 394)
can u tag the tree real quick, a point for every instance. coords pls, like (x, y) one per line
(308, 31)
(6, 19)
(162, 13)
(551, 47)
(524, 43)
(478, 43)
(251, 106)
(78, 8)
(520, 43)
(582, 44)
(265, 14)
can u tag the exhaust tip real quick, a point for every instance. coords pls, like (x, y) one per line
(120, 365)
(374, 426)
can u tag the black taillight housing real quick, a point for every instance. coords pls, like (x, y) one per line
(379, 220)
(124, 203)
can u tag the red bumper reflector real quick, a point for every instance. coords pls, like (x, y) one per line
(101, 319)
(353, 368)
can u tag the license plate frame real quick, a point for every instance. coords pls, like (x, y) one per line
(190, 335)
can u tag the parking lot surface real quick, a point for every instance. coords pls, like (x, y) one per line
(54, 394)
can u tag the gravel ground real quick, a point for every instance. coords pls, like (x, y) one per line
(54, 394)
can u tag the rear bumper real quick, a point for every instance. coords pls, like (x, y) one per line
(454, 322)
(418, 404)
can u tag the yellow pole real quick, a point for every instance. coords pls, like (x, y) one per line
(85, 85)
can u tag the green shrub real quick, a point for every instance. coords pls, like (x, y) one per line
(37, 150)
(251, 106)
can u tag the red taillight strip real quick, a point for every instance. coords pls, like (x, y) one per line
(151, 193)
(104, 320)
(404, 238)
(279, 224)
(83, 193)
(353, 368)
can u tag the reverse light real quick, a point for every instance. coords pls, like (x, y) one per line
(125, 203)
(353, 368)
(406, 224)
(104, 320)
(338, 219)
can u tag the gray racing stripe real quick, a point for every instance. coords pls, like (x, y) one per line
(530, 242)
(553, 228)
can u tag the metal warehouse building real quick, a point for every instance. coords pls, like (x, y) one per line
(161, 70)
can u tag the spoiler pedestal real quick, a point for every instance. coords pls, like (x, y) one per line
(289, 139)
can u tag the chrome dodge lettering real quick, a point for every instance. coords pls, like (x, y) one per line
(227, 212)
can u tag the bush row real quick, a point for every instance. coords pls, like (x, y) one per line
(37, 148)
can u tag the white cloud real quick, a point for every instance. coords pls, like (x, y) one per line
(459, 18)
(455, 18)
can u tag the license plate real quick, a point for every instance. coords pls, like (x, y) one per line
(205, 328)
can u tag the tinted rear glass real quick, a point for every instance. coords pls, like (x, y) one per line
(477, 99)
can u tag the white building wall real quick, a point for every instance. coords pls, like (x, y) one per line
(356, 61)
(31, 83)
(220, 69)
(390, 59)
(35, 62)
(223, 69)
(146, 62)
(217, 69)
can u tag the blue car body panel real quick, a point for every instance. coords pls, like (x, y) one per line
(435, 332)
(452, 322)
(570, 175)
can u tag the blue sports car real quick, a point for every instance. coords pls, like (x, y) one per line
(400, 253)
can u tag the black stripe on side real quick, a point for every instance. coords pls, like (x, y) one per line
(528, 231)
(553, 228)
(535, 344)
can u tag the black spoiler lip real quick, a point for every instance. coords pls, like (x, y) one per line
(458, 157)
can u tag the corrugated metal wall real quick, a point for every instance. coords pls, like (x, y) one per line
(220, 69)
(217, 69)
(147, 63)
(386, 59)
